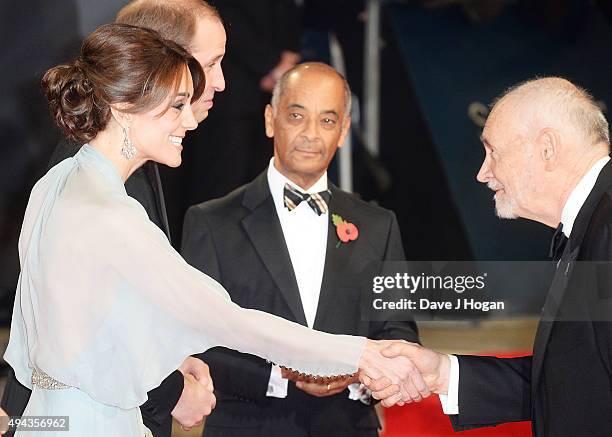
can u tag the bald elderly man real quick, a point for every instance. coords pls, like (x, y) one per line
(547, 145)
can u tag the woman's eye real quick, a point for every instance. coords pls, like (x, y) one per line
(179, 106)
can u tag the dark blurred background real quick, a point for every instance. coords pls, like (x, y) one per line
(441, 63)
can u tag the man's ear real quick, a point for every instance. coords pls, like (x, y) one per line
(120, 114)
(269, 121)
(548, 143)
(346, 128)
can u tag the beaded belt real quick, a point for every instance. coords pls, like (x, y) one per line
(41, 380)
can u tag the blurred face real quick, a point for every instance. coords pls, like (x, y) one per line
(208, 47)
(507, 168)
(158, 138)
(308, 126)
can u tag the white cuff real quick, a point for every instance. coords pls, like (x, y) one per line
(450, 401)
(356, 390)
(277, 386)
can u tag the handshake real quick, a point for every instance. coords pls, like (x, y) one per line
(198, 399)
(398, 372)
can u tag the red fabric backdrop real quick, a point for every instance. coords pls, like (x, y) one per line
(426, 419)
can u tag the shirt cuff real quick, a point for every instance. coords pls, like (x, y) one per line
(277, 385)
(450, 401)
(359, 392)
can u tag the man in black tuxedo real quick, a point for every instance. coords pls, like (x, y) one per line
(547, 145)
(186, 394)
(273, 245)
(263, 43)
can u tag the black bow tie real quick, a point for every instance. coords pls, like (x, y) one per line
(317, 201)
(559, 240)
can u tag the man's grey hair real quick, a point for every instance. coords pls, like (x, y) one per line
(562, 104)
(281, 84)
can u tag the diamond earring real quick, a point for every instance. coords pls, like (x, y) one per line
(127, 149)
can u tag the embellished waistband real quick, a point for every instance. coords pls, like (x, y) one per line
(41, 380)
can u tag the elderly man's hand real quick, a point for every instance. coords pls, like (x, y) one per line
(396, 379)
(433, 367)
(197, 399)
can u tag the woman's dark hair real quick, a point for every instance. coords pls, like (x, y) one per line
(119, 64)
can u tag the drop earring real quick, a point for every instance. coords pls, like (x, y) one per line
(127, 149)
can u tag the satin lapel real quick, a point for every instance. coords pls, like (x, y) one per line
(264, 230)
(337, 258)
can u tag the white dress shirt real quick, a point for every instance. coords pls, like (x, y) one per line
(450, 402)
(305, 234)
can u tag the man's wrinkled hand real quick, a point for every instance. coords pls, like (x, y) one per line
(396, 378)
(433, 367)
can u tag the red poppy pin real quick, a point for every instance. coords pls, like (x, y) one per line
(346, 231)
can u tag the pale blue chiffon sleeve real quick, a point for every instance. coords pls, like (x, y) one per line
(105, 304)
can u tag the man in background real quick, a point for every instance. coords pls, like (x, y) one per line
(292, 244)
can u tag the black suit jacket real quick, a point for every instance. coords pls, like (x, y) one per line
(145, 186)
(238, 240)
(566, 387)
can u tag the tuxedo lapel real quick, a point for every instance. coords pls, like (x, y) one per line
(336, 258)
(264, 230)
(565, 266)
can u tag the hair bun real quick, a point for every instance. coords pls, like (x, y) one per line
(72, 101)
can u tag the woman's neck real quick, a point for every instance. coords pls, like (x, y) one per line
(109, 142)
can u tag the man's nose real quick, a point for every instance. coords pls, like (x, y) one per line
(484, 174)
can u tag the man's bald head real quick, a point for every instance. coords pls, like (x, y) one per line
(553, 102)
(541, 138)
(308, 119)
(324, 71)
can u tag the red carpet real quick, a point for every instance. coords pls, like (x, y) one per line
(426, 419)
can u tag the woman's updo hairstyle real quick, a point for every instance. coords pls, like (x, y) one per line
(119, 64)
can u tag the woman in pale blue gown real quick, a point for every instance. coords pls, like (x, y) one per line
(105, 308)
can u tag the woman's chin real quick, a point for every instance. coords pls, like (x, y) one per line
(173, 163)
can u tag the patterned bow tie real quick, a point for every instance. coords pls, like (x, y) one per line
(317, 201)
(559, 240)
